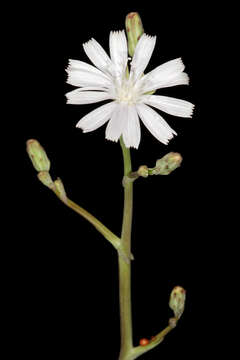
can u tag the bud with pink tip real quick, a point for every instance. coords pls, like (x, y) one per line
(38, 155)
(177, 301)
(134, 29)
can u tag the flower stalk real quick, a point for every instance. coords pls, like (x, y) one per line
(124, 268)
(108, 234)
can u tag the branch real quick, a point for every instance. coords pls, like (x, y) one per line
(156, 340)
(59, 191)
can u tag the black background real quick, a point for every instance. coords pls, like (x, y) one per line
(65, 284)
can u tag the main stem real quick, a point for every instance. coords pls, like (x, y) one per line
(125, 268)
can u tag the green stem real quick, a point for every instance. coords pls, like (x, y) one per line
(125, 268)
(127, 351)
(108, 234)
(140, 350)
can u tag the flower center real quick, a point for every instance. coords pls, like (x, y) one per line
(126, 93)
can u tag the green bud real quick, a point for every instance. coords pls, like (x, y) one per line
(46, 179)
(167, 164)
(38, 155)
(143, 171)
(134, 30)
(177, 301)
(59, 189)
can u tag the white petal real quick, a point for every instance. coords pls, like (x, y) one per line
(118, 51)
(165, 75)
(83, 66)
(134, 129)
(142, 55)
(124, 115)
(131, 128)
(83, 74)
(97, 117)
(180, 79)
(97, 88)
(155, 123)
(173, 106)
(115, 125)
(84, 78)
(79, 96)
(98, 56)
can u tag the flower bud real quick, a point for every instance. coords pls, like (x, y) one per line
(177, 301)
(143, 171)
(46, 179)
(167, 164)
(38, 155)
(134, 30)
(59, 190)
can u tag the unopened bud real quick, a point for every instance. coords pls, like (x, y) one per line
(46, 179)
(177, 301)
(38, 155)
(134, 30)
(59, 189)
(143, 171)
(167, 164)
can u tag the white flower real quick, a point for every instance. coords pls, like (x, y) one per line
(109, 80)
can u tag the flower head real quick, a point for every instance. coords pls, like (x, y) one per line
(128, 91)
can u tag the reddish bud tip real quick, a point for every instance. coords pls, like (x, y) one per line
(131, 15)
